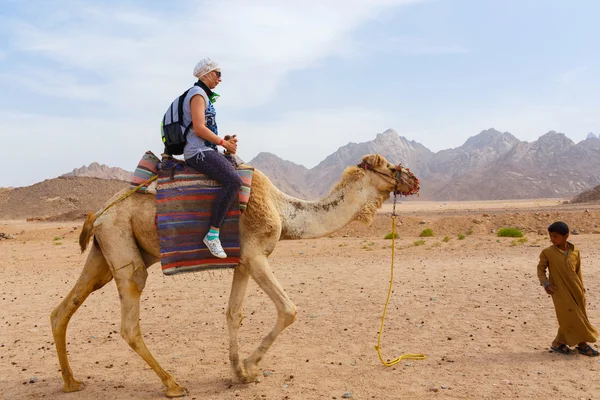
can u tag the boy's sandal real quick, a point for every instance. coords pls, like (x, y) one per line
(563, 349)
(588, 351)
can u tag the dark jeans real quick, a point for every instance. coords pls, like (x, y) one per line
(216, 166)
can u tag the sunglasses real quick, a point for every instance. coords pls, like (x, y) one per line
(218, 73)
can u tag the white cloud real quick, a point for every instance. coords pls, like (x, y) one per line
(573, 75)
(131, 62)
(135, 56)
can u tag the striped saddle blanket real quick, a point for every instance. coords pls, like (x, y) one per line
(184, 199)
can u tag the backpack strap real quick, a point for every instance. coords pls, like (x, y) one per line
(180, 112)
(180, 106)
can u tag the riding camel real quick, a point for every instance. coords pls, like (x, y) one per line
(126, 243)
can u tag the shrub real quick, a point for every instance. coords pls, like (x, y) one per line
(419, 242)
(389, 236)
(57, 238)
(461, 236)
(509, 232)
(446, 239)
(470, 232)
(427, 232)
(518, 242)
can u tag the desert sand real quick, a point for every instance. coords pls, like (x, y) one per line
(473, 306)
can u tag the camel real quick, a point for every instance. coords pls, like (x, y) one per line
(126, 244)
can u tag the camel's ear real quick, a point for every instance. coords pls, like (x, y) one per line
(374, 160)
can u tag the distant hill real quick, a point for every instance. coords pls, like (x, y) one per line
(588, 196)
(96, 170)
(58, 198)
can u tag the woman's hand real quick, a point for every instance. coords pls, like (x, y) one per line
(230, 143)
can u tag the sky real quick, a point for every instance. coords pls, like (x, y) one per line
(85, 81)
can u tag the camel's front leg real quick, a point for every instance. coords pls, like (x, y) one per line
(286, 310)
(235, 315)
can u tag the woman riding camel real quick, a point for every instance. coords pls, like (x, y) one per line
(200, 151)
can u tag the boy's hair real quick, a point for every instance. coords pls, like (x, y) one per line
(559, 227)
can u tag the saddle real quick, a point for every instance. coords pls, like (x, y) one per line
(184, 199)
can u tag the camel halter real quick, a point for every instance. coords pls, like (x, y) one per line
(409, 356)
(365, 165)
(397, 177)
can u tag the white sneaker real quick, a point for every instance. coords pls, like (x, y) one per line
(214, 246)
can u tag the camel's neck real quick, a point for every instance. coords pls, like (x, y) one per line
(309, 219)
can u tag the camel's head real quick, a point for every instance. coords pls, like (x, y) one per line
(389, 177)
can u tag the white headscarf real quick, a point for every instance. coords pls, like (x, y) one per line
(204, 66)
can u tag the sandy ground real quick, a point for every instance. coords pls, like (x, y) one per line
(473, 306)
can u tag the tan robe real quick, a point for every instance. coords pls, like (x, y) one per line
(569, 298)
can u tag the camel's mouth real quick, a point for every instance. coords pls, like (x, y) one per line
(407, 179)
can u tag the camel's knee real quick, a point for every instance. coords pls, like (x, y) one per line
(54, 318)
(61, 315)
(131, 336)
(289, 315)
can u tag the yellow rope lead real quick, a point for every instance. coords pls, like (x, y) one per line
(125, 195)
(378, 347)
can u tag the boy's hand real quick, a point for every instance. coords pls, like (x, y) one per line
(550, 289)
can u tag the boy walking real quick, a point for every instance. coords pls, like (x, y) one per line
(565, 285)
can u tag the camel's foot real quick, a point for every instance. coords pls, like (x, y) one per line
(73, 386)
(239, 375)
(252, 370)
(242, 377)
(175, 390)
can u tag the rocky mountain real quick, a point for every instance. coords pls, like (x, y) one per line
(96, 170)
(478, 152)
(289, 177)
(389, 144)
(552, 166)
(490, 165)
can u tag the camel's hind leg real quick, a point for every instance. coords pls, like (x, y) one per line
(130, 280)
(95, 274)
(235, 315)
(260, 271)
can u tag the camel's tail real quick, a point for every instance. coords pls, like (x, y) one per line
(87, 231)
